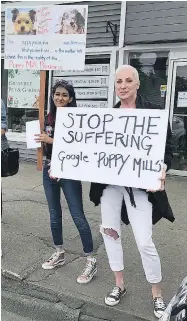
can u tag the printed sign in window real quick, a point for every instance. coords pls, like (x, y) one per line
(23, 88)
(182, 99)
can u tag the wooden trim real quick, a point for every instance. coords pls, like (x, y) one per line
(41, 117)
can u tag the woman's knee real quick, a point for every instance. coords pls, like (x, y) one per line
(55, 216)
(112, 233)
(109, 232)
(81, 222)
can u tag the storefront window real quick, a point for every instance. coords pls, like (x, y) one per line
(179, 122)
(20, 92)
(153, 70)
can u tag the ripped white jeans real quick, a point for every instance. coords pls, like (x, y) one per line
(141, 222)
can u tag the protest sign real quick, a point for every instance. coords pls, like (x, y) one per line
(46, 37)
(114, 146)
(23, 88)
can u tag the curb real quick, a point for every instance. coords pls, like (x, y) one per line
(39, 309)
(28, 299)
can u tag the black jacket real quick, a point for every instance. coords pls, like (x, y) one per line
(159, 200)
(49, 127)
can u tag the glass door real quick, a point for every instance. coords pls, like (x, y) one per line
(178, 115)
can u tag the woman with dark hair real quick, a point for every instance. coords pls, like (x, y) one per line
(63, 95)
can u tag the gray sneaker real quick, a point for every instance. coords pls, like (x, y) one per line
(114, 296)
(57, 259)
(89, 271)
(159, 307)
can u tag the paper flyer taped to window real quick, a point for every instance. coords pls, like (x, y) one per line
(182, 99)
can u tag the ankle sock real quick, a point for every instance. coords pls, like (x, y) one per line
(59, 249)
(91, 258)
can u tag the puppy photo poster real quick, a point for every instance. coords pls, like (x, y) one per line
(46, 37)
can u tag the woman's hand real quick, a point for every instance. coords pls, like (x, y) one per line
(49, 172)
(162, 179)
(43, 138)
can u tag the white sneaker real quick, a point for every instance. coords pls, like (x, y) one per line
(57, 259)
(89, 271)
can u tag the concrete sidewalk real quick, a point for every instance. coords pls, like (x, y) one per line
(26, 243)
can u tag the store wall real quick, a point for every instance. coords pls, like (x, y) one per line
(155, 21)
(98, 14)
(2, 31)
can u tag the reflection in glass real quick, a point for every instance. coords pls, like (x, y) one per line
(179, 129)
(179, 124)
(153, 70)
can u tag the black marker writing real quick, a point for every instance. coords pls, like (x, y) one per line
(151, 125)
(74, 158)
(93, 121)
(112, 160)
(135, 124)
(110, 138)
(81, 119)
(140, 165)
(70, 115)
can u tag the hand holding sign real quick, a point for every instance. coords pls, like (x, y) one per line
(162, 179)
(49, 172)
(43, 138)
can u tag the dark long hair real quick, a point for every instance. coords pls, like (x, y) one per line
(63, 84)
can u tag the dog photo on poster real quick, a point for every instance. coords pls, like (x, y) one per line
(21, 21)
(70, 21)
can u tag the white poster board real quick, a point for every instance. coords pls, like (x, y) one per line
(23, 88)
(46, 37)
(115, 146)
(182, 99)
(32, 129)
